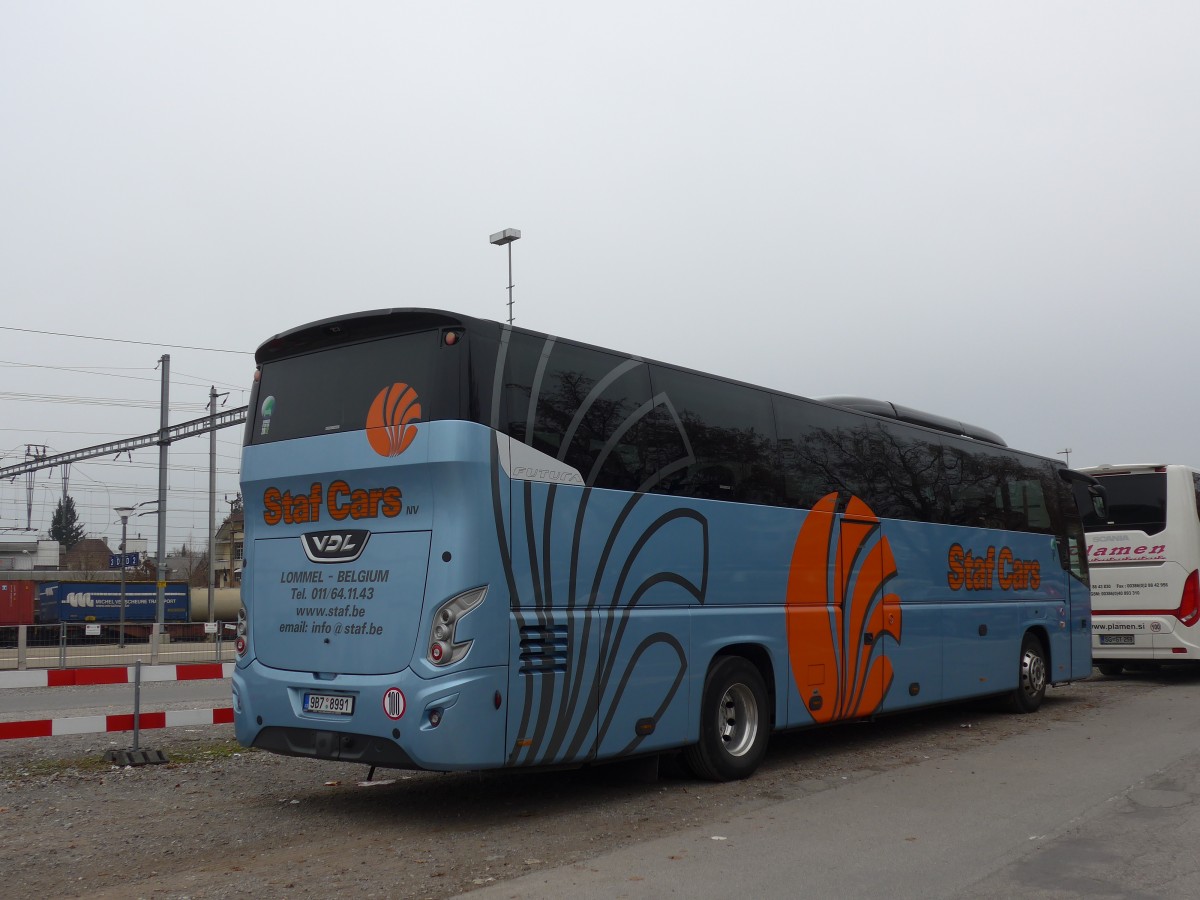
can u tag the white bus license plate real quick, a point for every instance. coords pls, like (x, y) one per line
(334, 704)
(1116, 639)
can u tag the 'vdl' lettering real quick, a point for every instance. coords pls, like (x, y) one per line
(342, 502)
(341, 546)
(996, 568)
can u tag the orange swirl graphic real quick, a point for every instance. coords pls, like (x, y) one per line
(835, 600)
(390, 419)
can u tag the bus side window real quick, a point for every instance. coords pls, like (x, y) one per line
(974, 478)
(731, 431)
(580, 405)
(820, 451)
(1028, 506)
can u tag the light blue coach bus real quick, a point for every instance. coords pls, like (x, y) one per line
(470, 546)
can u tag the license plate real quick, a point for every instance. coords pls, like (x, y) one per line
(1116, 639)
(333, 704)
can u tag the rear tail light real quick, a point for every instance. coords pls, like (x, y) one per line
(1188, 611)
(444, 649)
(242, 630)
(1189, 605)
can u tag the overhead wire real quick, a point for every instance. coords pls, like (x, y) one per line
(92, 337)
(96, 401)
(47, 493)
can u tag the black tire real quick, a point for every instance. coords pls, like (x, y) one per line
(1031, 684)
(1110, 669)
(734, 722)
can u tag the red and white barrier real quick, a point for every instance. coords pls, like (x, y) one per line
(221, 715)
(113, 675)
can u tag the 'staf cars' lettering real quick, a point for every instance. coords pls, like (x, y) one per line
(364, 504)
(342, 502)
(1001, 568)
(286, 507)
(1017, 574)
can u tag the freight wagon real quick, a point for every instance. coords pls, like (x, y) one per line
(17, 602)
(100, 602)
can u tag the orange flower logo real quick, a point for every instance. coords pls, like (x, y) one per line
(838, 612)
(391, 418)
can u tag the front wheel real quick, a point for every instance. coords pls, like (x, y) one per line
(1111, 669)
(1031, 688)
(734, 722)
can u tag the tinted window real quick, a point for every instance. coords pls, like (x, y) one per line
(1135, 503)
(582, 406)
(730, 431)
(333, 390)
(821, 450)
(991, 488)
(974, 487)
(1030, 507)
(898, 471)
(1063, 513)
(906, 473)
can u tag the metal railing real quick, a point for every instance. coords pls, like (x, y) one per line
(79, 644)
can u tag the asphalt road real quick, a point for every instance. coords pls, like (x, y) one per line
(1104, 804)
(1107, 805)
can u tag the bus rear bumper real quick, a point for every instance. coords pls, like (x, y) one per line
(1143, 638)
(450, 723)
(339, 745)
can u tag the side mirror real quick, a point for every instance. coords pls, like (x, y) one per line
(1090, 496)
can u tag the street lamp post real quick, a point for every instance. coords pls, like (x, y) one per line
(500, 238)
(125, 512)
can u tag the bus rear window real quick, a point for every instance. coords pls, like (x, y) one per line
(331, 390)
(1135, 503)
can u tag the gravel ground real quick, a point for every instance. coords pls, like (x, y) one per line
(220, 821)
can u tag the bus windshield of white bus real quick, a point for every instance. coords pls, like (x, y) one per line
(1134, 502)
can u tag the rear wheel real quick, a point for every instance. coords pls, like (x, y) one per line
(1031, 687)
(1110, 669)
(734, 722)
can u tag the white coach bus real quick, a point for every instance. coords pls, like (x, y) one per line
(1145, 567)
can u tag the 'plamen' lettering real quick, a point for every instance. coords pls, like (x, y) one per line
(1110, 552)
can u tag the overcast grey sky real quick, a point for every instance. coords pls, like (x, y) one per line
(985, 210)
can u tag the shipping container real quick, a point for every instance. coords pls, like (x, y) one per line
(89, 601)
(17, 602)
(226, 603)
